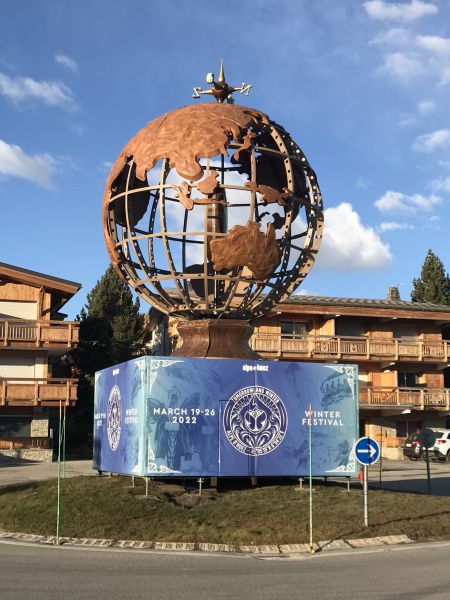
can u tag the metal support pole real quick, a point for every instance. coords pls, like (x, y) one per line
(381, 458)
(64, 445)
(366, 504)
(200, 481)
(58, 493)
(132, 481)
(348, 484)
(427, 458)
(146, 486)
(311, 548)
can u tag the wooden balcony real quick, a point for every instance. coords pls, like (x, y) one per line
(20, 443)
(351, 349)
(20, 333)
(414, 398)
(38, 392)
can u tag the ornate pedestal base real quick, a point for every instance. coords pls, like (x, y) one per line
(211, 338)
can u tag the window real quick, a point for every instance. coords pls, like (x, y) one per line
(406, 428)
(405, 331)
(408, 380)
(11, 427)
(350, 327)
(294, 328)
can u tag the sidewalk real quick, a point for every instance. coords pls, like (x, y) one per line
(14, 472)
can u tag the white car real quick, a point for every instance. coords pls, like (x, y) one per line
(441, 448)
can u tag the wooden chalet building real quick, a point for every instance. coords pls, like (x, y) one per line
(397, 345)
(33, 338)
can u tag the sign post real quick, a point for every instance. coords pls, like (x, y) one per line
(311, 547)
(427, 439)
(367, 452)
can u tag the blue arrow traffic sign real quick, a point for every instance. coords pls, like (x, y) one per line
(367, 451)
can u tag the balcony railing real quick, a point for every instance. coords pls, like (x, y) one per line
(25, 334)
(419, 399)
(350, 348)
(38, 392)
(20, 443)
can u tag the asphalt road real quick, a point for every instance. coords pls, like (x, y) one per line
(51, 573)
(411, 476)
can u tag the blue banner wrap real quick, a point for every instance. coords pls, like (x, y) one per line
(211, 417)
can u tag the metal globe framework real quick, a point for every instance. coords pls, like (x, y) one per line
(212, 210)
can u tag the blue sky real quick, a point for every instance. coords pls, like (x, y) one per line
(362, 86)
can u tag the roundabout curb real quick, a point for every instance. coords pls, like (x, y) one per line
(263, 550)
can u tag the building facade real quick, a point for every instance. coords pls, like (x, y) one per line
(33, 339)
(397, 345)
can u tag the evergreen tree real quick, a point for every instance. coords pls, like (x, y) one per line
(433, 285)
(111, 331)
(111, 327)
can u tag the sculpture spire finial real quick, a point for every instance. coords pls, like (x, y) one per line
(220, 88)
(221, 78)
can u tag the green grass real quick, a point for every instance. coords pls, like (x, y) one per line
(278, 514)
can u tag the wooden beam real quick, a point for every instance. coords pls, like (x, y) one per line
(360, 311)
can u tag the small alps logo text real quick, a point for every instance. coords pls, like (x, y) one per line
(257, 367)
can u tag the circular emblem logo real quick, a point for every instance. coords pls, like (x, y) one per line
(255, 420)
(114, 418)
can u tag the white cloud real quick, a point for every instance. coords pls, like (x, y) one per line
(441, 184)
(77, 128)
(396, 11)
(38, 168)
(362, 183)
(105, 166)
(399, 202)
(396, 36)
(402, 65)
(51, 93)
(393, 226)
(407, 56)
(433, 223)
(362, 250)
(301, 291)
(426, 107)
(433, 43)
(407, 119)
(67, 62)
(429, 142)
(438, 59)
(5, 63)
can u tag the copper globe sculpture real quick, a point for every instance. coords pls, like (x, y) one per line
(212, 210)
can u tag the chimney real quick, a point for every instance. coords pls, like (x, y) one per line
(393, 295)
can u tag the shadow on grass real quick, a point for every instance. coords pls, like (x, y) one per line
(20, 487)
(440, 486)
(443, 513)
(10, 461)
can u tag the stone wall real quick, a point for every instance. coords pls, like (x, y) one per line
(39, 424)
(32, 454)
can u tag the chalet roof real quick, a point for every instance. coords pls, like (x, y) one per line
(366, 303)
(35, 278)
(362, 307)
